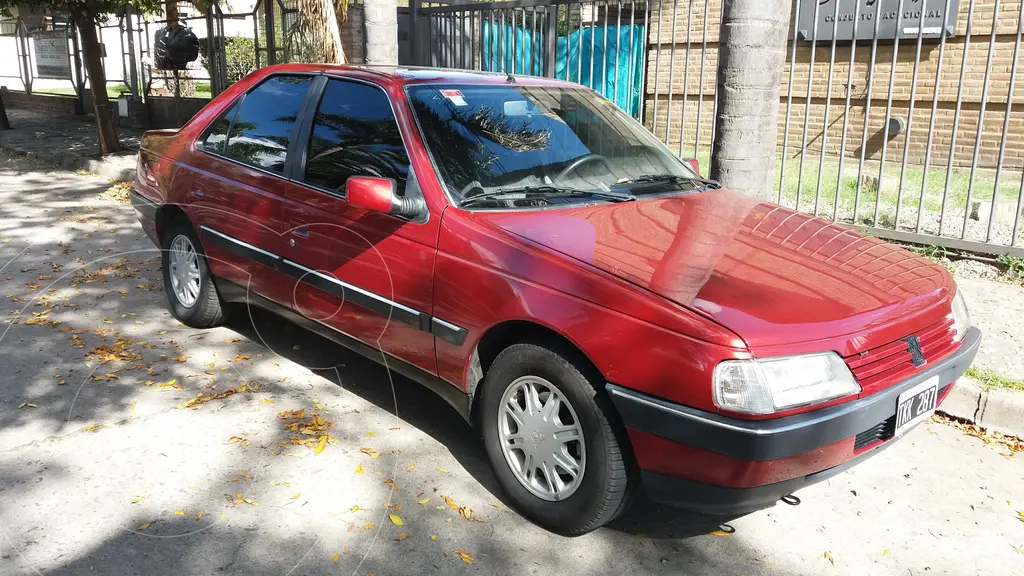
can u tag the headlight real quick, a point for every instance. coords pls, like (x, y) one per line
(770, 385)
(961, 317)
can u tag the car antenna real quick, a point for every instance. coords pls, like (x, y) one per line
(510, 78)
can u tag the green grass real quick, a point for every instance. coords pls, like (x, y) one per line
(115, 90)
(990, 379)
(846, 187)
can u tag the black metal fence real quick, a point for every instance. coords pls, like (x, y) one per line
(600, 44)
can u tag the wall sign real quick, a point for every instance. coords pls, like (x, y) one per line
(886, 13)
(51, 54)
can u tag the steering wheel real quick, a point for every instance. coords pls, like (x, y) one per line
(585, 159)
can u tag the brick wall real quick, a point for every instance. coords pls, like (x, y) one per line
(700, 95)
(57, 105)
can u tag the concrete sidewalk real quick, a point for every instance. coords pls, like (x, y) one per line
(69, 142)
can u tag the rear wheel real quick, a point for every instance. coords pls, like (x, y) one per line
(191, 293)
(551, 440)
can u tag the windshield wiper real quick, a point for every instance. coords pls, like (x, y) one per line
(709, 184)
(546, 190)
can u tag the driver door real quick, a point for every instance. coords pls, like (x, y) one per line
(363, 273)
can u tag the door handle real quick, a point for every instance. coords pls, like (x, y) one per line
(299, 229)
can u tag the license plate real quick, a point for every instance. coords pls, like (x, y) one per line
(916, 404)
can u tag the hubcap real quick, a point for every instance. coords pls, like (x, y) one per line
(184, 274)
(541, 438)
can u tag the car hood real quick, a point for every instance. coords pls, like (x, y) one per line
(772, 275)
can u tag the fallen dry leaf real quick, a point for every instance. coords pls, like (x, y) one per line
(296, 496)
(433, 536)
(368, 526)
(425, 500)
(199, 515)
(720, 533)
(359, 469)
(450, 502)
(442, 470)
(410, 466)
(466, 512)
(179, 512)
(320, 445)
(137, 499)
(144, 526)
(335, 558)
(396, 519)
(370, 452)
(829, 558)
(466, 557)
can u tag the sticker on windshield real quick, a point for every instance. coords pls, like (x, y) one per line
(454, 96)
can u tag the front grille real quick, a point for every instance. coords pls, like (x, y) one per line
(885, 365)
(882, 431)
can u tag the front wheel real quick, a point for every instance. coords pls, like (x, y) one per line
(551, 441)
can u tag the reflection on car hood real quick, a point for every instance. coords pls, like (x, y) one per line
(772, 275)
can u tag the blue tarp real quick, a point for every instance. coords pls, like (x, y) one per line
(523, 52)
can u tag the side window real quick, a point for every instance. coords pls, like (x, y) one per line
(354, 134)
(217, 133)
(263, 126)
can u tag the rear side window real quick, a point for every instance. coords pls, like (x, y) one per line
(355, 134)
(260, 132)
(217, 133)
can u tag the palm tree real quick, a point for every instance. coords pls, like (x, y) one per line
(752, 52)
(316, 34)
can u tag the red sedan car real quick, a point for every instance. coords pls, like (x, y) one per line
(607, 318)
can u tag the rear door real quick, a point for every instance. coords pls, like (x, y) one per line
(240, 183)
(364, 273)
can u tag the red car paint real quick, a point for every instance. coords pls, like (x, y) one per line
(654, 292)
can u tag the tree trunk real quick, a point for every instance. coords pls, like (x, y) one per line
(381, 31)
(171, 10)
(5, 124)
(752, 53)
(105, 129)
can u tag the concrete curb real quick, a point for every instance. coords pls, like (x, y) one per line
(995, 408)
(120, 166)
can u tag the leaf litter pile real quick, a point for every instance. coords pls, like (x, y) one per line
(313, 430)
(991, 437)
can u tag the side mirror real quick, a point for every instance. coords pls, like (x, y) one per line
(380, 195)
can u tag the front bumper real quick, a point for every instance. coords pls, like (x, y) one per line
(814, 445)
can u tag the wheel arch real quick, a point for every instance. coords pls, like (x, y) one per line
(165, 215)
(504, 334)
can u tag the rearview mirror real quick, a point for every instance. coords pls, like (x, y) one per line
(380, 195)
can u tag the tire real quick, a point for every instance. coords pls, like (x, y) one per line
(605, 484)
(206, 309)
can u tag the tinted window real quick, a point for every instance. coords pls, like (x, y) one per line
(217, 133)
(263, 126)
(355, 134)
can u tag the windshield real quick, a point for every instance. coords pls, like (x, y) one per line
(519, 146)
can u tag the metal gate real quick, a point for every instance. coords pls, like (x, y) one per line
(908, 132)
(600, 44)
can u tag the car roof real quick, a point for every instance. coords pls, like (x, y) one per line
(406, 75)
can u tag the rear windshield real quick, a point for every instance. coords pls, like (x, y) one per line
(489, 138)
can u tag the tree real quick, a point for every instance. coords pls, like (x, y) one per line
(752, 53)
(5, 124)
(316, 34)
(86, 14)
